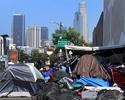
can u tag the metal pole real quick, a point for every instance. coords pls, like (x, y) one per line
(60, 27)
(60, 50)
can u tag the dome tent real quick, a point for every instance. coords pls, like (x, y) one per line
(21, 80)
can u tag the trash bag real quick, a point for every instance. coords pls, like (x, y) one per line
(68, 95)
(67, 81)
(59, 75)
(109, 95)
(53, 91)
(48, 93)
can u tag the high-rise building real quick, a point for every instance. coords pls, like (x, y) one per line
(33, 36)
(1, 46)
(44, 35)
(18, 29)
(4, 44)
(81, 21)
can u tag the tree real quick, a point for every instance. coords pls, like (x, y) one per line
(22, 56)
(53, 58)
(72, 36)
(36, 56)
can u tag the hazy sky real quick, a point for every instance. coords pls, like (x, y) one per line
(41, 12)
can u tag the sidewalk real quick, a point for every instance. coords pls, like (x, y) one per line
(23, 98)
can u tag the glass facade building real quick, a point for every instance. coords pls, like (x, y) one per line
(44, 35)
(18, 29)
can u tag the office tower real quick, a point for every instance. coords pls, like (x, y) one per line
(81, 21)
(33, 36)
(1, 46)
(18, 29)
(44, 35)
(5, 44)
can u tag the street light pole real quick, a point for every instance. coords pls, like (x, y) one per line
(60, 29)
(60, 50)
(60, 25)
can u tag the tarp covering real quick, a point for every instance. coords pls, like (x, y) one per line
(20, 78)
(108, 47)
(67, 47)
(78, 48)
(88, 66)
(94, 82)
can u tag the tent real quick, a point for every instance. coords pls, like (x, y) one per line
(20, 80)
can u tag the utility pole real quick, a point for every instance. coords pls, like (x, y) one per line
(60, 29)
(60, 25)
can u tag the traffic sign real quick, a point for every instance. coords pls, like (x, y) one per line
(62, 43)
(60, 34)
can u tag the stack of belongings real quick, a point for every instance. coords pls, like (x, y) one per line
(92, 73)
(47, 72)
(110, 95)
(21, 80)
(61, 87)
(88, 70)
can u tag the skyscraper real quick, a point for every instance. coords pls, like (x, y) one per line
(44, 35)
(1, 46)
(18, 29)
(81, 21)
(33, 36)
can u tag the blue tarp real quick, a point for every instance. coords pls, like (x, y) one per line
(94, 82)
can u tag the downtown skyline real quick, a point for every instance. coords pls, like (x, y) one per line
(43, 12)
